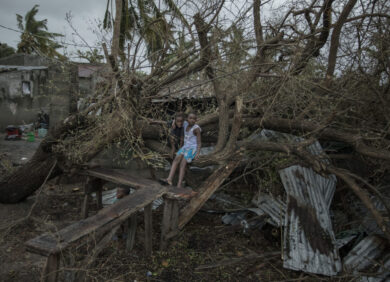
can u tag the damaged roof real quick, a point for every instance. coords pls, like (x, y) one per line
(87, 70)
(186, 89)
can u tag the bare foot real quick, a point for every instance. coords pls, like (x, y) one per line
(165, 181)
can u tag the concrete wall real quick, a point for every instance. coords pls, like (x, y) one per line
(18, 108)
(54, 90)
(25, 60)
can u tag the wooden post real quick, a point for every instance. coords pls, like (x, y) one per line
(84, 209)
(130, 232)
(170, 221)
(50, 272)
(97, 186)
(99, 198)
(148, 229)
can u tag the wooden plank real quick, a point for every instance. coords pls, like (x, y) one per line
(148, 230)
(119, 177)
(103, 221)
(130, 232)
(50, 272)
(208, 188)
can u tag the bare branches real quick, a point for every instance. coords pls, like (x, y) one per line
(334, 43)
(315, 43)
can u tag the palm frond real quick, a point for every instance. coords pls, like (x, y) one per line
(19, 19)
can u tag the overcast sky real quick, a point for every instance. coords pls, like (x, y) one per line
(84, 12)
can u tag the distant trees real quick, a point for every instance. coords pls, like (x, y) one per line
(6, 50)
(35, 37)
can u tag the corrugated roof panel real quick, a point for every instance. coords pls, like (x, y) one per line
(309, 241)
(365, 253)
(383, 273)
(275, 208)
(185, 89)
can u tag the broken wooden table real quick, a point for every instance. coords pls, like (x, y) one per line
(104, 224)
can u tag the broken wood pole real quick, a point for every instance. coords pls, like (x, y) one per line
(170, 221)
(148, 229)
(50, 272)
(207, 189)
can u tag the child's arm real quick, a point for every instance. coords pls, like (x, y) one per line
(198, 141)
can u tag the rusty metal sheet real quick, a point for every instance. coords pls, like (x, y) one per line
(309, 240)
(326, 184)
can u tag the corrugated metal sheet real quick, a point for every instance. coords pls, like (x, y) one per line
(186, 89)
(383, 273)
(275, 208)
(309, 241)
(365, 253)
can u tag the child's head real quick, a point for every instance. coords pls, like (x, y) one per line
(179, 119)
(191, 118)
(121, 192)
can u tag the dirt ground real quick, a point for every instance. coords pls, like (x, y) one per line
(204, 251)
(192, 256)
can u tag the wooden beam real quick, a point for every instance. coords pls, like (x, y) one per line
(119, 176)
(209, 186)
(102, 222)
(50, 272)
(148, 229)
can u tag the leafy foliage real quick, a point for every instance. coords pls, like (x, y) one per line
(35, 37)
(6, 50)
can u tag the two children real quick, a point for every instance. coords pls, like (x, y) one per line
(189, 151)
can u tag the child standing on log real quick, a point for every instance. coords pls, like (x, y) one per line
(189, 152)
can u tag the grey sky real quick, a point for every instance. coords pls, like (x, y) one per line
(84, 12)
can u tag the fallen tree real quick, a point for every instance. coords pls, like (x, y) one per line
(274, 88)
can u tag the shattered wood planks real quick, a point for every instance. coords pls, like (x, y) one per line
(309, 241)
